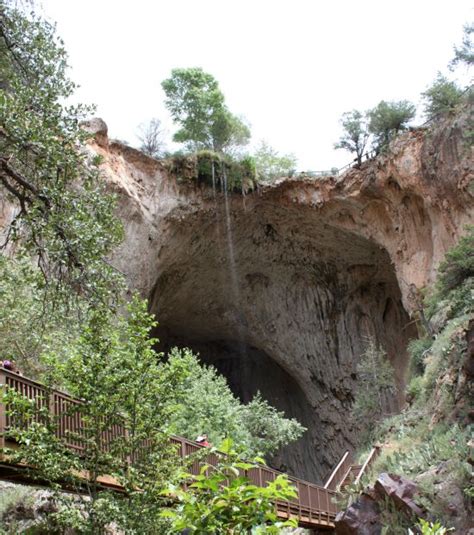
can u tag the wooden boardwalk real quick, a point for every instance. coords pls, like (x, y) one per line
(314, 507)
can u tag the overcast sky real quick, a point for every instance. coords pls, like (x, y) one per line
(291, 67)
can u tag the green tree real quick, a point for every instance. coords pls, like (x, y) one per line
(65, 218)
(207, 405)
(375, 386)
(270, 164)
(29, 324)
(441, 97)
(389, 118)
(121, 383)
(356, 134)
(268, 427)
(197, 105)
(222, 501)
(464, 53)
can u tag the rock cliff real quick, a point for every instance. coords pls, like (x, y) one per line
(281, 288)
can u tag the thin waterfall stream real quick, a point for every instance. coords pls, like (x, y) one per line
(234, 281)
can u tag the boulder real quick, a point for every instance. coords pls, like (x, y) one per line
(400, 490)
(360, 518)
(98, 128)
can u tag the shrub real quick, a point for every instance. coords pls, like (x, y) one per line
(458, 264)
(221, 499)
(418, 349)
(415, 388)
(215, 170)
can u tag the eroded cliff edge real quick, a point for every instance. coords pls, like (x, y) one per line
(281, 290)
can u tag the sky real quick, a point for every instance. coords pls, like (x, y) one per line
(290, 67)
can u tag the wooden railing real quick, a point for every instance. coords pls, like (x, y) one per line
(314, 506)
(374, 453)
(339, 472)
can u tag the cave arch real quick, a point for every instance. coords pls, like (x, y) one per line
(294, 308)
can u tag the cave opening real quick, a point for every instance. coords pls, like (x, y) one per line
(310, 296)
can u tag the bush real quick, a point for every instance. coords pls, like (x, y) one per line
(418, 349)
(415, 388)
(215, 170)
(458, 264)
(221, 499)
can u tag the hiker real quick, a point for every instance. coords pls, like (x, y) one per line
(10, 365)
(202, 440)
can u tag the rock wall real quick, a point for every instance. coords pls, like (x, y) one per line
(280, 289)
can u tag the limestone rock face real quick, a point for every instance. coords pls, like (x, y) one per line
(281, 288)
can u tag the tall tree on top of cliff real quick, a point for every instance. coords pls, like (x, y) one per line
(356, 133)
(464, 53)
(197, 105)
(387, 119)
(64, 217)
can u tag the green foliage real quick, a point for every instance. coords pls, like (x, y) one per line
(207, 405)
(393, 520)
(454, 288)
(113, 369)
(415, 388)
(446, 352)
(29, 323)
(458, 264)
(270, 164)
(418, 349)
(441, 97)
(356, 134)
(464, 53)
(430, 528)
(219, 171)
(65, 217)
(221, 500)
(389, 118)
(422, 448)
(197, 105)
(10, 498)
(375, 386)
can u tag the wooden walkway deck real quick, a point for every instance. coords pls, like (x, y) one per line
(314, 507)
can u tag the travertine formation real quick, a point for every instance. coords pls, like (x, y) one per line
(281, 289)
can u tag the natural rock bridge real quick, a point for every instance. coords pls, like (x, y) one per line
(315, 506)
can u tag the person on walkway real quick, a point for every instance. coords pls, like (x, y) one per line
(202, 440)
(10, 365)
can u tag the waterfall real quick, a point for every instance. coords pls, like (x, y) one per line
(234, 281)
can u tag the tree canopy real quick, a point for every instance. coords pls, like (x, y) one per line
(271, 164)
(441, 97)
(197, 105)
(207, 405)
(356, 134)
(64, 216)
(389, 118)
